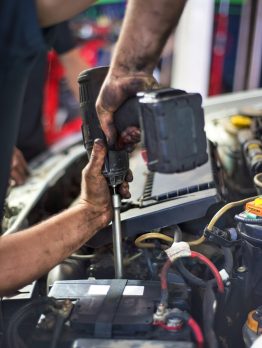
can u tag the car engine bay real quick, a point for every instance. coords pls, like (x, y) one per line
(192, 248)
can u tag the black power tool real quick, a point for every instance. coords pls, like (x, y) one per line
(171, 122)
(172, 126)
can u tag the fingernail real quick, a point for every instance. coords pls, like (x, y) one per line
(136, 132)
(130, 176)
(99, 142)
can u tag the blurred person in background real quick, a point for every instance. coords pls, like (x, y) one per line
(31, 140)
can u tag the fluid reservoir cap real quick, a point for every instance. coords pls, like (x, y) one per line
(241, 121)
(254, 320)
(255, 207)
(258, 201)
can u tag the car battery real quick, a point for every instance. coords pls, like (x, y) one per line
(119, 308)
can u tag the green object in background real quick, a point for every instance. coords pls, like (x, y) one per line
(233, 2)
(101, 2)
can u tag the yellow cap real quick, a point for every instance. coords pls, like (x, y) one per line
(258, 201)
(241, 121)
(253, 146)
(255, 207)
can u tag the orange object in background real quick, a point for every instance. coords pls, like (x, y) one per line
(54, 130)
(255, 207)
(51, 97)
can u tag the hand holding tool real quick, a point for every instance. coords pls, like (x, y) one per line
(116, 163)
(172, 127)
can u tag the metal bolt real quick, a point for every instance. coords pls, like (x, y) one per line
(241, 269)
(161, 309)
(175, 323)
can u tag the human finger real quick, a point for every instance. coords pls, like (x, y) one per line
(97, 158)
(123, 190)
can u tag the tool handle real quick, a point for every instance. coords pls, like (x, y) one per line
(90, 82)
(116, 162)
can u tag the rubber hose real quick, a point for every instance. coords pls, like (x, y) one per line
(190, 277)
(209, 316)
(178, 234)
(229, 262)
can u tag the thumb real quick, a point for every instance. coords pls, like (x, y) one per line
(97, 157)
(108, 127)
(106, 120)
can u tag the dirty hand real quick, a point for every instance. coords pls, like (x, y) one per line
(19, 170)
(95, 191)
(117, 87)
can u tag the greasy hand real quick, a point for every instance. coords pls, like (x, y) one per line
(117, 87)
(95, 191)
(19, 170)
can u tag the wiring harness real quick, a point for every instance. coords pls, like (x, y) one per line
(45, 305)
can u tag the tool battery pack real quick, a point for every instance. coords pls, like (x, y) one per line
(172, 123)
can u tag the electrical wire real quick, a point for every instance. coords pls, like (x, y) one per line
(150, 266)
(197, 241)
(194, 280)
(212, 268)
(218, 215)
(151, 235)
(177, 233)
(226, 207)
(163, 274)
(156, 235)
(132, 258)
(200, 257)
(13, 338)
(163, 281)
(197, 332)
(187, 319)
(168, 327)
(139, 241)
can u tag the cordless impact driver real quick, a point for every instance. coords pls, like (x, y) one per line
(172, 129)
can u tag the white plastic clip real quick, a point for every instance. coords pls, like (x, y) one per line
(177, 250)
(224, 275)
